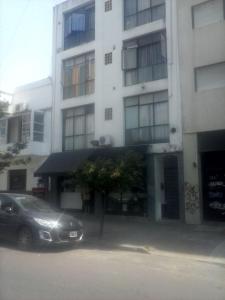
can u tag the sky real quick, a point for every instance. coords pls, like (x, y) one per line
(25, 41)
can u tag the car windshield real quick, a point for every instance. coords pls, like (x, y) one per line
(32, 203)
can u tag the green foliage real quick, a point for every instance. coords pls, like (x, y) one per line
(3, 108)
(106, 175)
(10, 156)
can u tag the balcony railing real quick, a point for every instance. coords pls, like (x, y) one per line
(148, 135)
(86, 88)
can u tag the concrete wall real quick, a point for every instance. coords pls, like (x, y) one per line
(200, 47)
(36, 96)
(31, 167)
(201, 110)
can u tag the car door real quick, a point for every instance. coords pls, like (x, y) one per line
(9, 218)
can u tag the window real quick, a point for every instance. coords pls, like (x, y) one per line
(210, 77)
(108, 114)
(79, 26)
(38, 127)
(6, 202)
(17, 180)
(108, 5)
(147, 119)
(14, 130)
(78, 128)
(139, 12)
(108, 58)
(3, 124)
(19, 128)
(208, 12)
(145, 59)
(79, 76)
(26, 127)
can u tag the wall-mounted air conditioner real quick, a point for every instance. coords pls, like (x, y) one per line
(105, 140)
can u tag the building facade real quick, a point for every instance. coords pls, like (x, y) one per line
(202, 69)
(28, 122)
(116, 81)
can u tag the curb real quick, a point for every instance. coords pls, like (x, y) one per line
(150, 251)
(197, 258)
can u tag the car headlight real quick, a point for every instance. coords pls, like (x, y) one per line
(46, 223)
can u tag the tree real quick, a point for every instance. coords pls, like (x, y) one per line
(10, 155)
(3, 108)
(106, 175)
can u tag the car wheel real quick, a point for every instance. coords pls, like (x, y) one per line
(25, 238)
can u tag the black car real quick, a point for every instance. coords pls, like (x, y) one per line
(31, 221)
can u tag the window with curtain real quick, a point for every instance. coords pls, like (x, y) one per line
(38, 130)
(145, 59)
(78, 129)
(79, 26)
(147, 119)
(139, 12)
(79, 76)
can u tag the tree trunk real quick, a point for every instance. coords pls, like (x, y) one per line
(121, 202)
(102, 218)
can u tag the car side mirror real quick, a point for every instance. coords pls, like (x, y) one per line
(9, 210)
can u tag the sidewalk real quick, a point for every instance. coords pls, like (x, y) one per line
(199, 242)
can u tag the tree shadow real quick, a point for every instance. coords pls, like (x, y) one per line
(121, 234)
(144, 236)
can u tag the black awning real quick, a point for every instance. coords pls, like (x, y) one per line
(66, 162)
(63, 162)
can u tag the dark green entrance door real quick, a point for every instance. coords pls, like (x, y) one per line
(170, 207)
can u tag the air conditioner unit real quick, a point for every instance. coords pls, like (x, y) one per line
(105, 140)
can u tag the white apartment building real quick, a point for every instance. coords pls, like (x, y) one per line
(116, 80)
(202, 68)
(28, 123)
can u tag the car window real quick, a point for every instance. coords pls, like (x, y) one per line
(28, 202)
(6, 202)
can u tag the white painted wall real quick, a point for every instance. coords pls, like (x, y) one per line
(202, 110)
(109, 88)
(200, 47)
(36, 96)
(31, 167)
(71, 200)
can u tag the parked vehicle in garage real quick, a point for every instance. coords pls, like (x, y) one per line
(30, 221)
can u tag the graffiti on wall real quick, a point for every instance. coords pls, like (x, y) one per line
(191, 192)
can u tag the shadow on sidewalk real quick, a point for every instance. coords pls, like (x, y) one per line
(127, 234)
(142, 236)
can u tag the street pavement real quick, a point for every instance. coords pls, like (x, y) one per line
(200, 242)
(122, 265)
